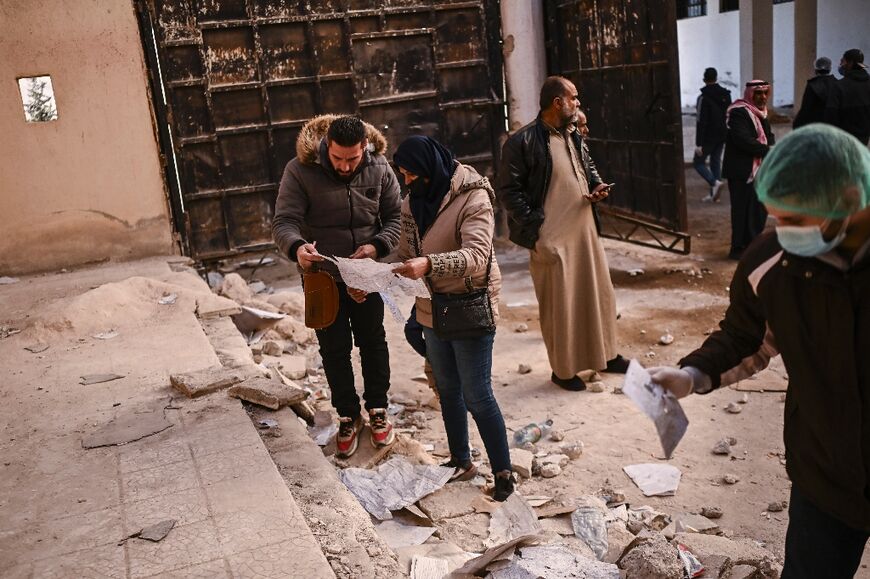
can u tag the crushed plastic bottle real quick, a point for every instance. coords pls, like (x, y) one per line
(532, 432)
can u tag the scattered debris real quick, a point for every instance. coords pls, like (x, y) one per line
(521, 328)
(394, 485)
(268, 392)
(295, 368)
(723, 447)
(711, 512)
(128, 427)
(428, 568)
(236, 288)
(652, 558)
(6, 280)
(524, 369)
(532, 433)
(251, 320)
(573, 450)
(98, 378)
(267, 423)
(739, 551)
(6, 331)
(745, 399)
(596, 387)
(777, 506)
(158, 531)
(257, 287)
(557, 436)
(730, 479)
(550, 470)
(167, 299)
(450, 501)
(205, 381)
(636, 272)
(272, 349)
(691, 564)
(589, 376)
(215, 279)
(478, 564)
(666, 340)
(324, 428)
(590, 524)
(554, 562)
(734, 408)
(513, 519)
(397, 535)
(521, 462)
(37, 348)
(658, 404)
(654, 480)
(690, 523)
(106, 335)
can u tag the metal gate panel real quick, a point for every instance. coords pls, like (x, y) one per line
(241, 78)
(622, 55)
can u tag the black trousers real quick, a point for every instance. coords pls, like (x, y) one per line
(818, 546)
(362, 324)
(748, 215)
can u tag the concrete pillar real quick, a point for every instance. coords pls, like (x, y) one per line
(756, 40)
(805, 35)
(525, 59)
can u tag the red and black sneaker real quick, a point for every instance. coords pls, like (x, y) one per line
(382, 428)
(347, 440)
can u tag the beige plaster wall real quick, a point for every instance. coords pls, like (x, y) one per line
(87, 186)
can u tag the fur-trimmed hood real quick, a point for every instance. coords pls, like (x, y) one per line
(308, 142)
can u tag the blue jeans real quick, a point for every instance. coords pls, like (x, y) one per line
(463, 374)
(714, 173)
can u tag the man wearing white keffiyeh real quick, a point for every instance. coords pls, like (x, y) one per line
(748, 141)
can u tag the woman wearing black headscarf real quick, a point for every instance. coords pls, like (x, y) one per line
(447, 232)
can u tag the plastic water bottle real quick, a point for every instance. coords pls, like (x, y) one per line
(532, 432)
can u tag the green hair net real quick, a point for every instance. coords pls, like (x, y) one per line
(811, 170)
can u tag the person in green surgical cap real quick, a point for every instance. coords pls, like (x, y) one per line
(803, 292)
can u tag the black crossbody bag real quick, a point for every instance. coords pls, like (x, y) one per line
(466, 315)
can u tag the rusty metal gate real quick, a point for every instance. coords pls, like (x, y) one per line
(622, 55)
(233, 82)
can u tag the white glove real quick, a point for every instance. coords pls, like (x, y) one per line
(699, 152)
(676, 380)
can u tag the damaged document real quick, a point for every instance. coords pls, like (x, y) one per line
(654, 480)
(395, 484)
(657, 403)
(374, 277)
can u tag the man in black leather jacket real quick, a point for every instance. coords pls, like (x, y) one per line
(549, 185)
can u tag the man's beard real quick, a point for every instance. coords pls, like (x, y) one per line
(567, 118)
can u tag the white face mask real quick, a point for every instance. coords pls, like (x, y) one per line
(807, 240)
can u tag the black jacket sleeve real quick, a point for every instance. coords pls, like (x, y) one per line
(740, 335)
(592, 176)
(513, 182)
(703, 120)
(808, 103)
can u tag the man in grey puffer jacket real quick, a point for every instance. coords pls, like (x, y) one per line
(340, 195)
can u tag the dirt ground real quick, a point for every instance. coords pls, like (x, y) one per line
(684, 296)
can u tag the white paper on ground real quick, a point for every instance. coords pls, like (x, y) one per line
(396, 535)
(657, 403)
(654, 480)
(513, 518)
(394, 485)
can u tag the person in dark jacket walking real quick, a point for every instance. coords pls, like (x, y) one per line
(816, 94)
(849, 104)
(341, 194)
(803, 291)
(548, 185)
(710, 132)
(748, 141)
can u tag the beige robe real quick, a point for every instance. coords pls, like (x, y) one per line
(576, 301)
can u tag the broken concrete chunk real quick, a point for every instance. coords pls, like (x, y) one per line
(589, 376)
(689, 523)
(211, 306)
(205, 381)
(550, 470)
(723, 447)
(294, 367)
(236, 288)
(272, 349)
(711, 512)
(521, 328)
(521, 461)
(524, 369)
(666, 340)
(128, 427)
(596, 387)
(557, 436)
(158, 531)
(730, 479)
(740, 551)
(559, 459)
(573, 450)
(98, 378)
(268, 392)
(552, 562)
(450, 501)
(742, 572)
(167, 299)
(618, 540)
(777, 506)
(653, 558)
(733, 408)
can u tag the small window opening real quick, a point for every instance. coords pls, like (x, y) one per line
(37, 96)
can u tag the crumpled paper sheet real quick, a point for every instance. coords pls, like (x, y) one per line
(661, 406)
(590, 524)
(395, 484)
(513, 518)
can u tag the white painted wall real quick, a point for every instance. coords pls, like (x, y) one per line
(713, 40)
